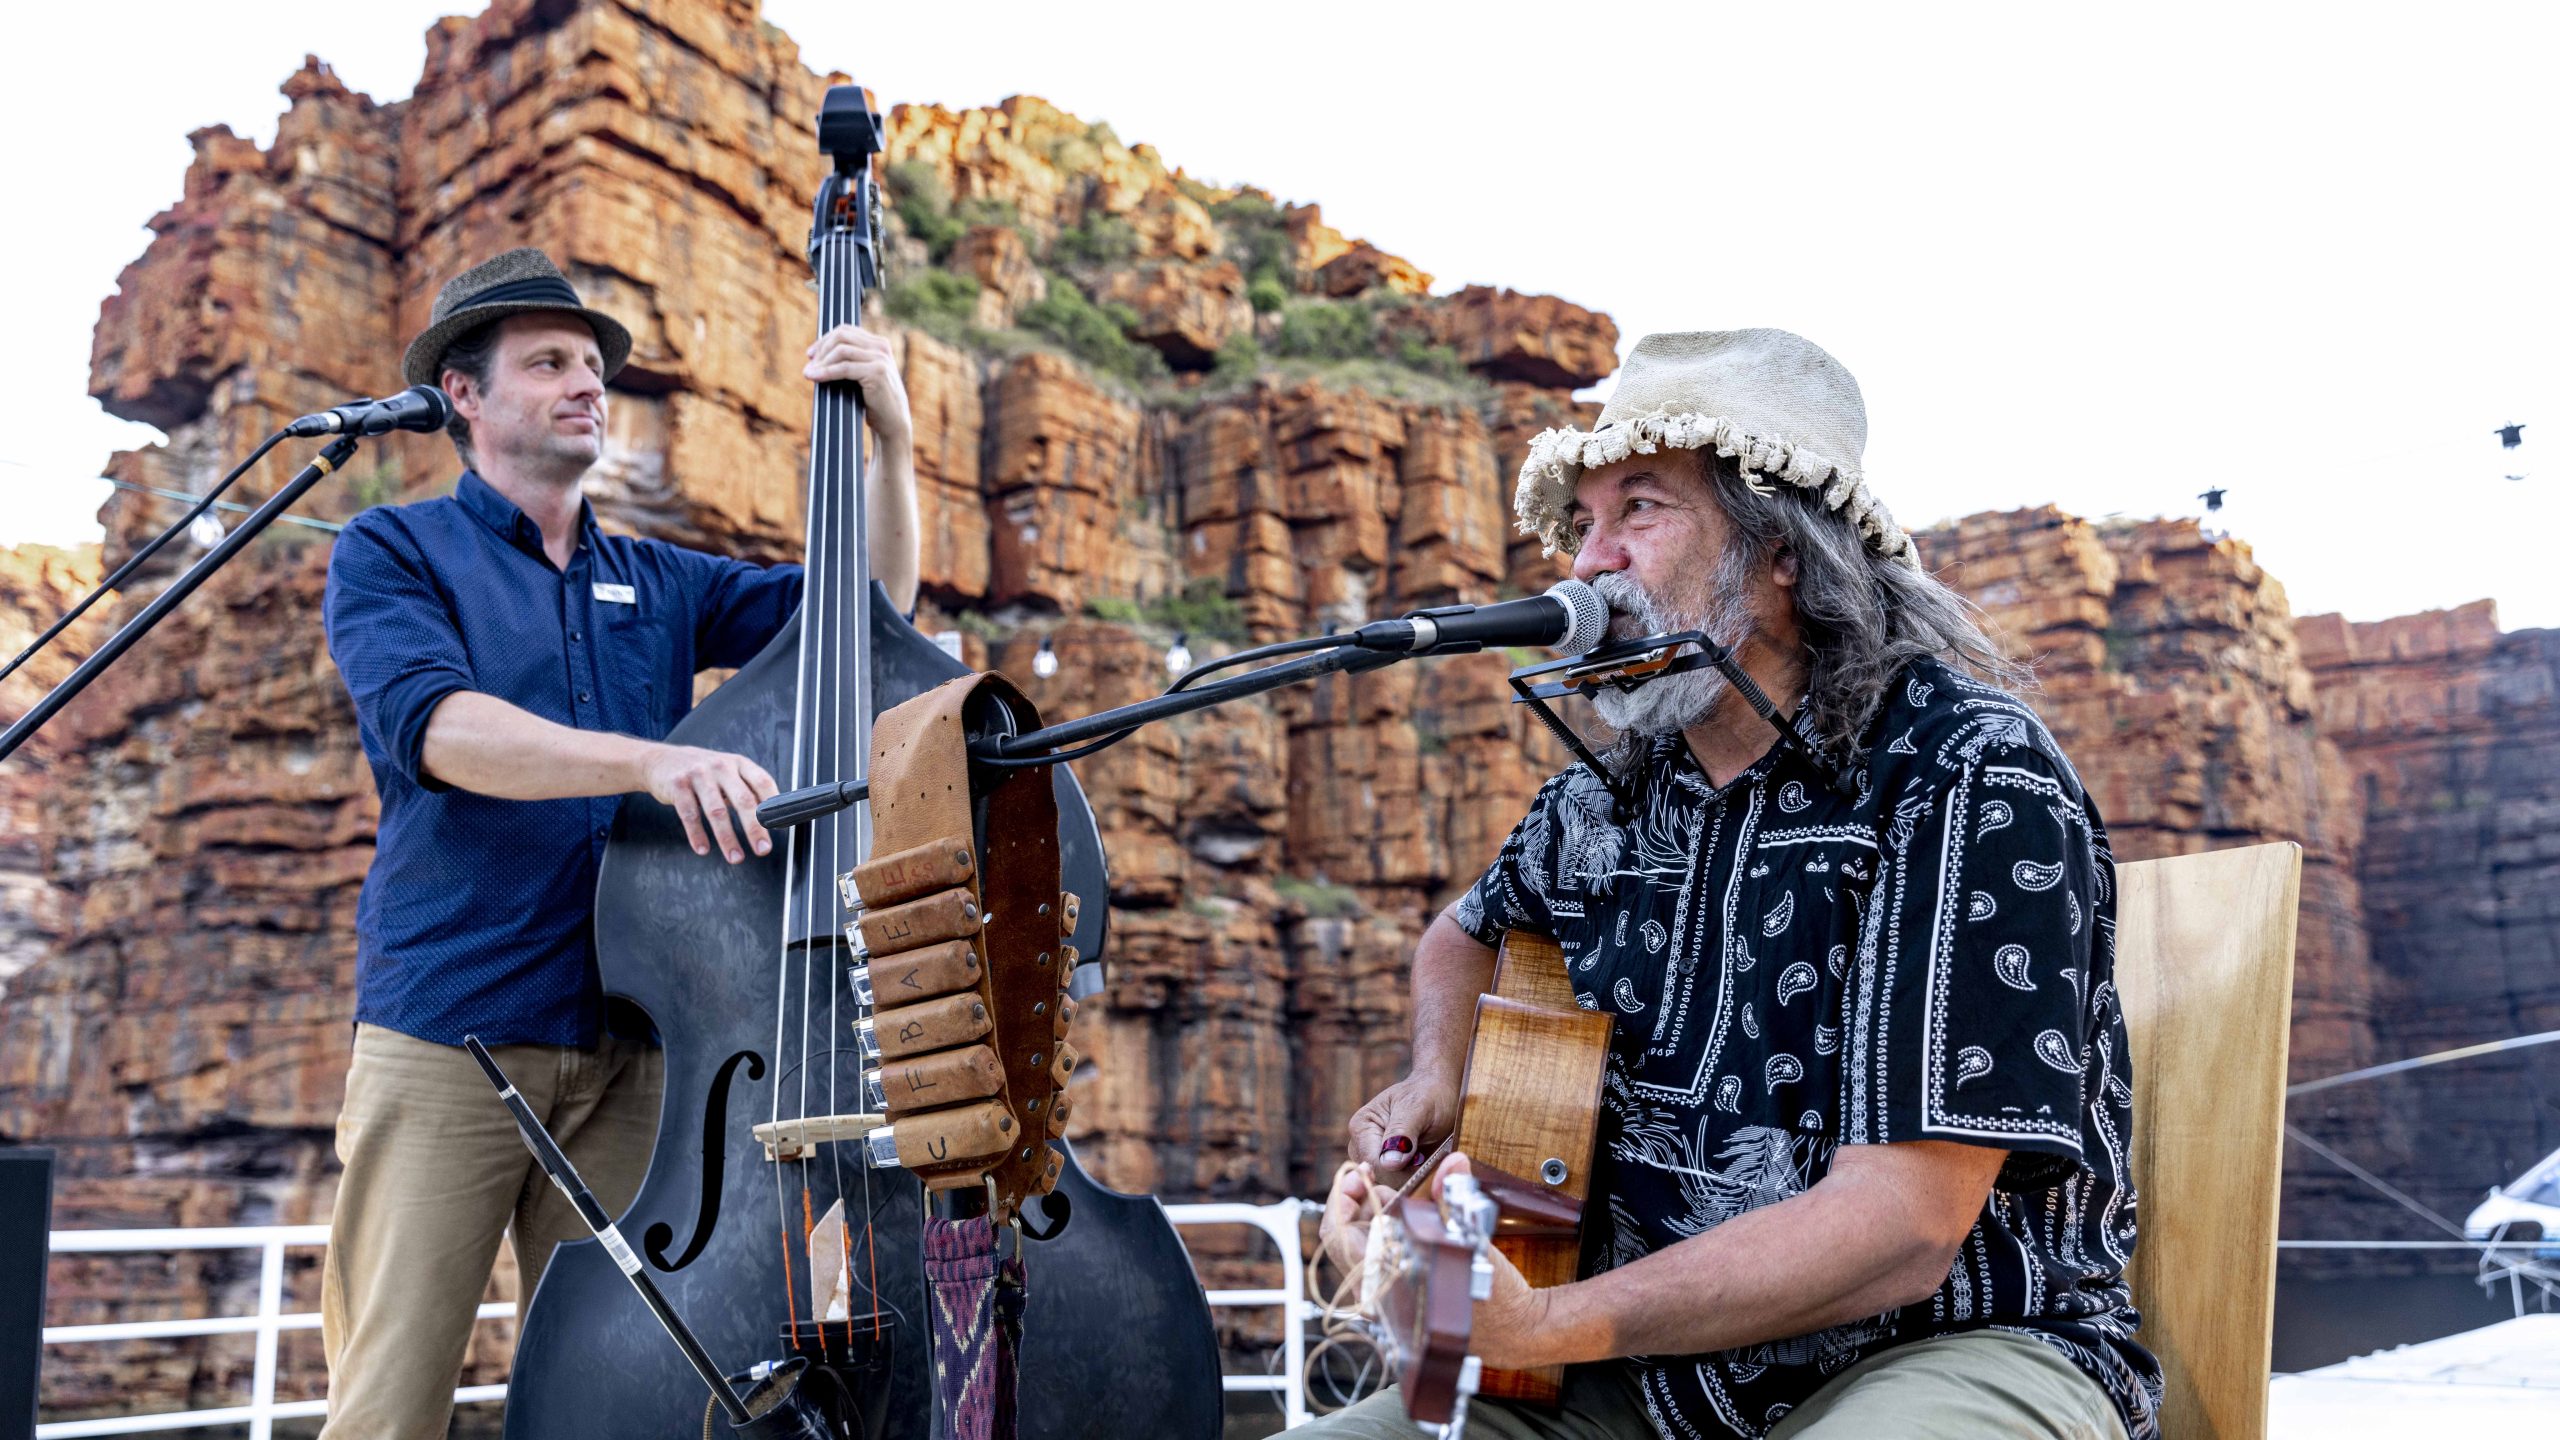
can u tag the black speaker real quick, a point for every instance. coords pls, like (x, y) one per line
(26, 1212)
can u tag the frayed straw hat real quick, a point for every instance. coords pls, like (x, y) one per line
(1777, 403)
(520, 282)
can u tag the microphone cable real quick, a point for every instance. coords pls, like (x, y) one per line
(139, 556)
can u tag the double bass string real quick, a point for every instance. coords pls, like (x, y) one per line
(858, 482)
(825, 597)
(859, 497)
(803, 722)
(849, 425)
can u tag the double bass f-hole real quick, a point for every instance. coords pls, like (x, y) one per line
(715, 1145)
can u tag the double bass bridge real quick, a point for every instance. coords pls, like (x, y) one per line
(799, 1139)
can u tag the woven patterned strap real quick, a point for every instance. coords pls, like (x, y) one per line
(977, 1327)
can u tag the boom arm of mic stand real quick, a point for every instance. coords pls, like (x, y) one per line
(332, 456)
(801, 806)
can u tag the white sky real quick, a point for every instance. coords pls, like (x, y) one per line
(2101, 258)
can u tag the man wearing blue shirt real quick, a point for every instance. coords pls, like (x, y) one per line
(515, 670)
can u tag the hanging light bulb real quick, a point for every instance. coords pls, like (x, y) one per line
(1178, 659)
(1045, 663)
(205, 530)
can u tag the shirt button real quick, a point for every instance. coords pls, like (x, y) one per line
(574, 635)
(582, 697)
(599, 832)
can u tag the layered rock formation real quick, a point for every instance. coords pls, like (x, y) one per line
(38, 584)
(1146, 408)
(2170, 672)
(2450, 732)
(181, 904)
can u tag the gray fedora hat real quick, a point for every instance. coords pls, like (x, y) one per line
(1776, 403)
(520, 282)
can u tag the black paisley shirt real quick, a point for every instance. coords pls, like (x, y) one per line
(1793, 969)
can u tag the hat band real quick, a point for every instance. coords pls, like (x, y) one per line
(548, 289)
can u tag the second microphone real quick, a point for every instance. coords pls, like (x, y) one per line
(1569, 619)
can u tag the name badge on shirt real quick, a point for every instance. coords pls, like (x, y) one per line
(616, 594)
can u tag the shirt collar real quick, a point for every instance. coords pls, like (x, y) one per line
(1670, 756)
(502, 515)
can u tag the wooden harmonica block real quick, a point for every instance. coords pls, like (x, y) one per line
(947, 915)
(950, 1137)
(941, 1077)
(913, 975)
(887, 880)
(932, 1025)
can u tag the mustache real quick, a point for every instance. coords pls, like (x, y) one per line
(1624, 597)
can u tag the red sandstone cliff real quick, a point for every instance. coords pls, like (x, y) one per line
(2171, 674)
(179, 1027)
(2450, 732)
(1144, 405)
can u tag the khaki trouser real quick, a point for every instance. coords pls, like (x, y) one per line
(435, 1172)
(1963, 1386)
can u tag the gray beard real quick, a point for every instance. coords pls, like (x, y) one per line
(1675, 702)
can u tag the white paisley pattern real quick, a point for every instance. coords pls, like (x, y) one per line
(1939, 955)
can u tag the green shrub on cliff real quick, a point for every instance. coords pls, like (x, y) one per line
(1098, 335)
(1202, 609)
(1325, 330)
(1256, 236)
(937, 302)
(1320, 900)
(1441, 362)
(1100, 240)
(1239, 360)
(923, 203)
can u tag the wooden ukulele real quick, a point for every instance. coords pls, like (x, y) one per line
(1528, 1114)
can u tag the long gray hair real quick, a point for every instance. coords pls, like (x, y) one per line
(1863, 617)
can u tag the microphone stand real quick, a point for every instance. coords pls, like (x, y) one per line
(332, 456)
(774, 1409)
(800, 806)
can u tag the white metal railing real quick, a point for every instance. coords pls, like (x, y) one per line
(262, 1411)
(1278, 1220)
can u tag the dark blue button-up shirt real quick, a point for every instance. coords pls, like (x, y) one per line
(478, 913)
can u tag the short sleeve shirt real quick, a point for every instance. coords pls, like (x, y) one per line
(1922, 951)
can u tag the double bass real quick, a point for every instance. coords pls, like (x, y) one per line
(743, 971)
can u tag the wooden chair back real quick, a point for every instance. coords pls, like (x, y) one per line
(2204, 967)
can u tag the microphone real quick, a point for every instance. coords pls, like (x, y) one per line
(420, 407)
(1569, 619)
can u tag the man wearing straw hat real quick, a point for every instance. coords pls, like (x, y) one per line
(1865, 1121)
(514, 670)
